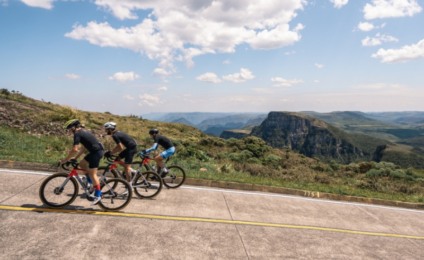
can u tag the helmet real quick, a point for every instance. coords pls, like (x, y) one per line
(110, 126)
(153, 131)
(71, 123)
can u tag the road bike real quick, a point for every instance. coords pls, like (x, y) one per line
(146, 184)
(61, 189)
(173, 179)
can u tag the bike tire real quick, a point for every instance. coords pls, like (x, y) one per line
(116, 194)
(50, 194)
(147, 185)
(175, 177)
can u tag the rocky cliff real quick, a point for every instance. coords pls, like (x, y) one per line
(307, 135)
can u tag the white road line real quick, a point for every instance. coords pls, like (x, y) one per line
(24, 171)
(257, 193)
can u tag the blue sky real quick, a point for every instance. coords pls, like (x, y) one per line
(142, 56)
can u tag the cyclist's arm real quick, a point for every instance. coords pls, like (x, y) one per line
(118, 148)
(153, 148)
(72, 153)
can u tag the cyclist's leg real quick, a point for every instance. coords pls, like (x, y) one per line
(93, 161)
(128, 155)
(164, 155)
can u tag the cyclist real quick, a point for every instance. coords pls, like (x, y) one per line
(91, 161)
(125, 145)
(169, 149)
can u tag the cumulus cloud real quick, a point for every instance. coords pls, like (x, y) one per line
(339, 3)
(46, 4)
(209, 77)
(366, 26)
(129, 97)
(72, 76)
(183, 29)
(378, 39)
(391, 8)
(281, 82)
(124, 76)
(149, 100)
(319, 66)
(408, 52)
(242, 76)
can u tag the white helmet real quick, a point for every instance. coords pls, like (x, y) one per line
(110, 126)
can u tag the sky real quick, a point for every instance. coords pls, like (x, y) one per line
(134, 57)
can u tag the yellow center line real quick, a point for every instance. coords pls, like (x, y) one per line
(196, 219)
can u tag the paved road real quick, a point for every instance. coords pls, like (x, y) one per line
(203, 223)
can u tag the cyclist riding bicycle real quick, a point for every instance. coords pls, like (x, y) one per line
(169, 149)
(125, 145)
(91, 161)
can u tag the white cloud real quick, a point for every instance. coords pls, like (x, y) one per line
(162, 72)
(163, 88)
(183, 29)
(72, 76)
(46, 4)
(149, 100)
(209, 77)
(378, 40)
(366, 26)
(129, 97)
(281, 82)
(339, 3)
(408, 52)
(124, 76)
(391, 8)
(319, 66)
(242, 76)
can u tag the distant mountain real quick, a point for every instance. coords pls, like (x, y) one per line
(211, 123)
(194, 118)
(412, 118)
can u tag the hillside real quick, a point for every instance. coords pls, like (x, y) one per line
(31, 130)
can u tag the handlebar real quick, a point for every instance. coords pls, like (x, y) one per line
(74, 163)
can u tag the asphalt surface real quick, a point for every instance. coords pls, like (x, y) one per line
(202, 223)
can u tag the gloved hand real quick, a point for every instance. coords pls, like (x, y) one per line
(73, 160)
(107, 154)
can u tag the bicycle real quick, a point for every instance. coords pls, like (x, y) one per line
(173, 179)
(61, 189)
(146, 185)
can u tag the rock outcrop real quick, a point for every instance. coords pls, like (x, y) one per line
(308, 136)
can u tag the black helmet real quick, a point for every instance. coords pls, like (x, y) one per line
(71, 123)
(153, 131)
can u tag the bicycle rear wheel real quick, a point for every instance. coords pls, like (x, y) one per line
(58, 190)
(116, 194)
(175, 177)
(147, 185)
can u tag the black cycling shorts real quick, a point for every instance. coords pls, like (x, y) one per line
(128, 155)
(93, 158)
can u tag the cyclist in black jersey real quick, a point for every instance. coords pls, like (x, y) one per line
(169, 149)
(125, 145)
(91, 161)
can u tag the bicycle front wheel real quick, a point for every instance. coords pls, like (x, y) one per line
(147, 185)
(58, 190)
(175, 177)
(116, 194)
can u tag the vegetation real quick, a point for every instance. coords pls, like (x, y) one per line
(246, 160)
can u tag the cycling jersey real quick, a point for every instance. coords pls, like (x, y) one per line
(126, 140)
(88, 140)
(162, 141)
